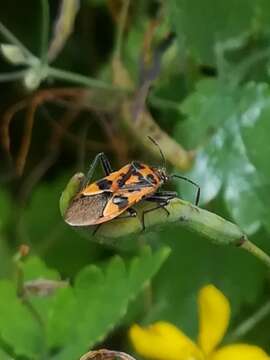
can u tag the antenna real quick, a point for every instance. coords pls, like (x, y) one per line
(161, 153)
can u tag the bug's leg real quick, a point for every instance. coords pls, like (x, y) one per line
(106, 166)
(158, 206)
(131, 213)
(198, 192)
(162, 199)
(164, 194)
(96, 229)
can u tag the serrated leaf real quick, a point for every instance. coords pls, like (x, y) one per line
(47, 307)
(216, 22)
(232, 158)
(18, 327)
(205, 115)
(102, 297)
(147, 263)
(5, 356)
(63, 314)
(45, 231)
(34, 268)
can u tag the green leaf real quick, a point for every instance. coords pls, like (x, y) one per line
(101, 298)
(18, 327)
(6, 257)
(43, 228)
(233, 158)
(34, 268)
(194, 263)
(4, 355)
(52, 307)
(5, 209)
(216, 22)
(63, 313)
(204, 110)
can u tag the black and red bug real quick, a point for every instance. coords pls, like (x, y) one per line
(120, 190)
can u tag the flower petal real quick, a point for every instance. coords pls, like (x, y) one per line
(214, 315)
(163, 341)
(240, 352)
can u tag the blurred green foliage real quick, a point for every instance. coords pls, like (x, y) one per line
(211, 95)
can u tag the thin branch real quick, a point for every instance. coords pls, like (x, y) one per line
(26, 137)
(45, 25)
(246, 326)
(81, 79)
(6, 120)
(11, 76)
(164, 103)
(255, 250)
(13, 40)
(121, 29)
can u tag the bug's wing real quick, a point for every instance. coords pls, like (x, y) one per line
(108, 183)
(86, 210)
(146, 176)
(122, 200)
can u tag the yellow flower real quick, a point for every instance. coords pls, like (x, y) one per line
(164, 341)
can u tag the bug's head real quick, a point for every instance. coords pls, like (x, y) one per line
(162, 174)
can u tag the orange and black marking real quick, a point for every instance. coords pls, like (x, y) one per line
(118, 191)
(124, 187)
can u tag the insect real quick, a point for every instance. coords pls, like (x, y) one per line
(118, 191)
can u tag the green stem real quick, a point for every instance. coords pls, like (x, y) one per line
(13, 40)
(182, 213)
(249, 323)
(38, 318)
(256, 251)
(201, 221)
(164, 103)
(21, 294)
(44, 32)
(241, 70)
(80, 79)
(121, 29)
(14, 75)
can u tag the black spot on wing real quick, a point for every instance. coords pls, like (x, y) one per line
(151, 179)
(120, 182)
(138, 165)
(137, 174)
(124, 177)
(140, 177)
(104, 184)
(120, 201)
